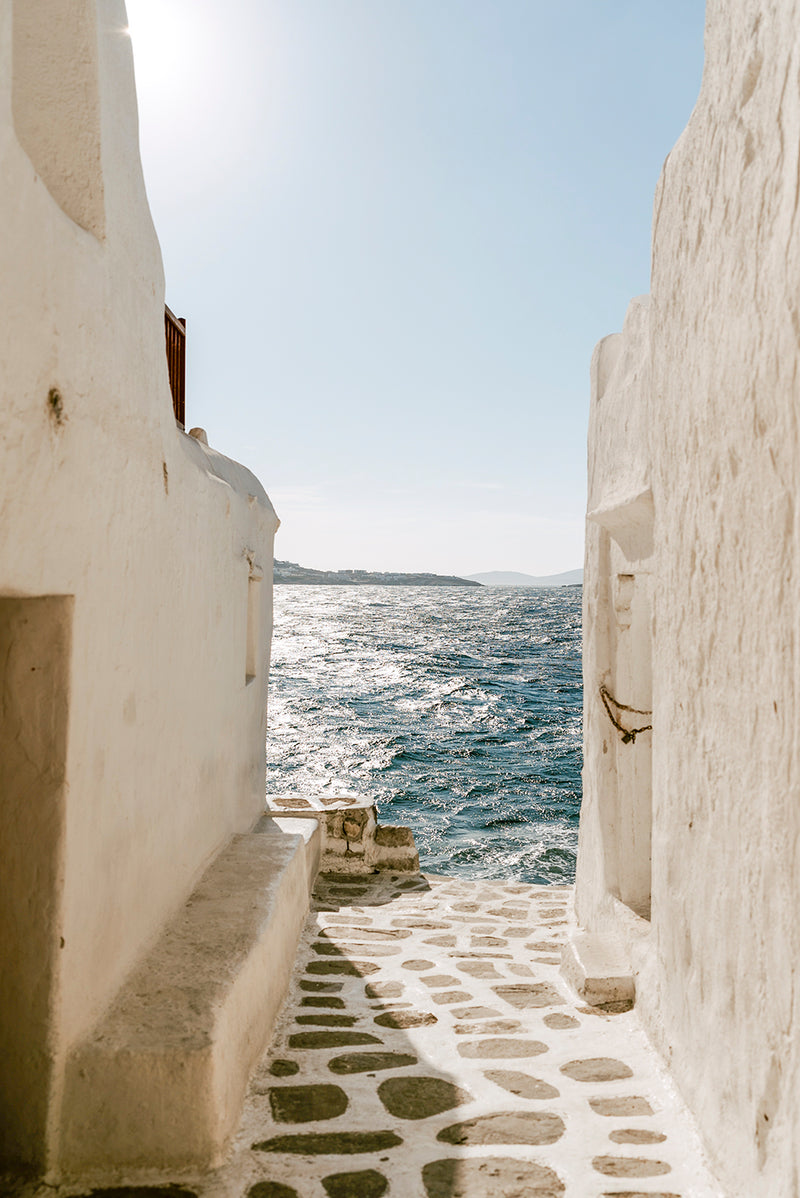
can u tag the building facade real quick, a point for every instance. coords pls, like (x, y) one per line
(135, 624)
(688, 859)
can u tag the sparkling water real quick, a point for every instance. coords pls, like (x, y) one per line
(457, 709)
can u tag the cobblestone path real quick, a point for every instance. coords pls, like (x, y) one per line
(429, 1049)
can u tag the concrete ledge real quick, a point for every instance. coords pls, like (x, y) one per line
(310, 833)
(597, 968)
(160, 1082)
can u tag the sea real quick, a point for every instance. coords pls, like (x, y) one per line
(457, 709)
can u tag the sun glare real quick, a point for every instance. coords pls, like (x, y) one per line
(172, 51)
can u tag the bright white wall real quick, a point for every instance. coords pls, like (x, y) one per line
(717, 987)
(104, 499)
(617, 596)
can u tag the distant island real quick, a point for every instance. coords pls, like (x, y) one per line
(508, 578)
(290, 572)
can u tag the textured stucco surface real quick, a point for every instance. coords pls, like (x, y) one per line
(160, 1082)
(102, 498)
(716, 402)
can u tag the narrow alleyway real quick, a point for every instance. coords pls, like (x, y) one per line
(429, 1049)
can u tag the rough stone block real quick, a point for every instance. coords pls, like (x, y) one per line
(353, 825)
(394, 836)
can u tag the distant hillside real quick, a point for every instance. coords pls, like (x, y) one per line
(507, 578)
(290, 572)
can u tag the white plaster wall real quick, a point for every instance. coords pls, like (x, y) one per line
(104, 499)
(717, 987)
(617, 626)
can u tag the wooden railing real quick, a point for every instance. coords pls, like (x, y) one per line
(175, 327)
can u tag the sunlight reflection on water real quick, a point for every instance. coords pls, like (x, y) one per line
(457, 709)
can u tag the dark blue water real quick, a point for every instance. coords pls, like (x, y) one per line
(459, 710)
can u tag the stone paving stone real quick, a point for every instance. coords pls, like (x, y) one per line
(468, 921)
(620, 1106)
(479, 969)
(367, 1183)
(492, 1027)
(282, 1068)
(507, 1127)
(356, 969)
(341, 1143)
(476, 1013)
(638, 1194)
(420, 1097)
(439, 980)
(557, 1021)
(327, 948)
(521, 1084)
(271, 1189)
(321, 1020)
(448, 1078)
(501, 1047)
(629, 1166)
(402, 1019)
(383, 989)
(345, 918)
(304, 1104)
(637, 1135)
(353, 933)
(167, 1191)
(428, 925)
(366, 1062)
(482, 955)
(521, 996)
(490, 1178)
(330, 1039)
(597, 1069)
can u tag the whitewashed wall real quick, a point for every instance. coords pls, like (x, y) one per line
(718, 444)
(157, 739)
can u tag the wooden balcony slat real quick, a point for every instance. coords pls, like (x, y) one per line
(175, 331)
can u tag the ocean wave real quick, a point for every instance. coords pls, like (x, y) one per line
(458, 712)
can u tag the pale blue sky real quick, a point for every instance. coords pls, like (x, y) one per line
(397, 229)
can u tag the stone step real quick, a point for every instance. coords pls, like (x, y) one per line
(352, 839)
(598, 969)
(160, 1082)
